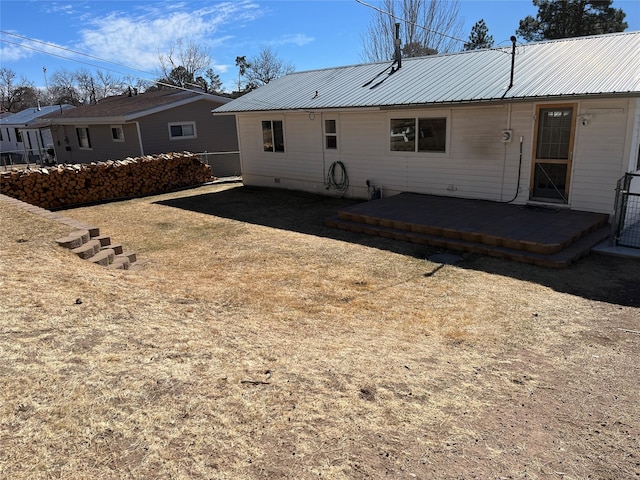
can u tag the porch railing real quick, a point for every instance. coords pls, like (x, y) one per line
(625, 227)
(10, 158)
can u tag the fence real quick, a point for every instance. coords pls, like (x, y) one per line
(9, 158)
(223, 164)
(625, 229)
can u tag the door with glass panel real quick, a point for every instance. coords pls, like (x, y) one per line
(553, 153)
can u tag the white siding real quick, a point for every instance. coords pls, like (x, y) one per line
(598, 160)
(477, 164)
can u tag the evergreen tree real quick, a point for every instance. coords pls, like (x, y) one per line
(479, 37)
(571, 18)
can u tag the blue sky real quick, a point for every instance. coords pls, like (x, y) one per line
(309, 34)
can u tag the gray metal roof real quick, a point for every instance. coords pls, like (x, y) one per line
(602, 64)
(31, 115)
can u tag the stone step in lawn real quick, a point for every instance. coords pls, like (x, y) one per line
(87, 250)
(85, 240)
(103, 257)
(74, 239)
(89, 245)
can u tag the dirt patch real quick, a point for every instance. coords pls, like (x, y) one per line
(259, 344)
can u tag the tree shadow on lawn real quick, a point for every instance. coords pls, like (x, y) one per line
(595, 277)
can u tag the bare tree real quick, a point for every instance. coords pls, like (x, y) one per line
(132, 83)
(86, 87)
(106, 85)
(16, 94)
(266, 66)
(184, 62)
(427, 27)
(62, 88)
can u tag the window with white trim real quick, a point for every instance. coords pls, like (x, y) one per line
(117, 133)
(84, 140)
(330, 134)
(273, 136)
(427, 134)
(18, 135)
(182, 130)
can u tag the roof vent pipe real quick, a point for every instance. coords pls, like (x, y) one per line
(513, 64)
(397, 53)
(513, 59)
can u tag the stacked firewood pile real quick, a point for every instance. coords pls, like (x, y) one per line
(85, 183)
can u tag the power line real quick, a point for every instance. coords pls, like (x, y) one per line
(52, 45)
(409, 22)
(29, 47)
(61, 56)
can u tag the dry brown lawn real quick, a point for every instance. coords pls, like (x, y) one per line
(257, 343)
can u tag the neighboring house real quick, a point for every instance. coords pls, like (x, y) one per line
(564, 131)
(21, 139)
(133, 125)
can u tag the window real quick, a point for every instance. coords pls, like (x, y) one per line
(554, 133)
(1, 137)
(117, 133)
(431, 134)
(18, 135)
(181, 131)
(83, 137)
(273, 136)
(330, 135)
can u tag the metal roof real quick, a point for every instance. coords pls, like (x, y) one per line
(600, 64)
(31, 115)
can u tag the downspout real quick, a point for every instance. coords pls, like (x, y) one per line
(140, 139)
(324, 162)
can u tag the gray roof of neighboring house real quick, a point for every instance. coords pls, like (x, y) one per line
(129, 107)
(31, 115)
(602, 64)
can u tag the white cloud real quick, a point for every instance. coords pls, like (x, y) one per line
(299, 39)
(13, 53)
(63, 8)
(16, 47)
(137, 37)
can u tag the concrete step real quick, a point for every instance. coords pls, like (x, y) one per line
(547, 244)
(120, 263)
(75, 239)
(104, 240)
(87, 250)
(116, 247)
(94, 231)
(103, 257)
(559, 259)
(130, 255)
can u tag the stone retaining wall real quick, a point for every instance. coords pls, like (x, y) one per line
(65, 185)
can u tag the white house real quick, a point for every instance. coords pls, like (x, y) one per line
(554, 122)
(21, 138)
